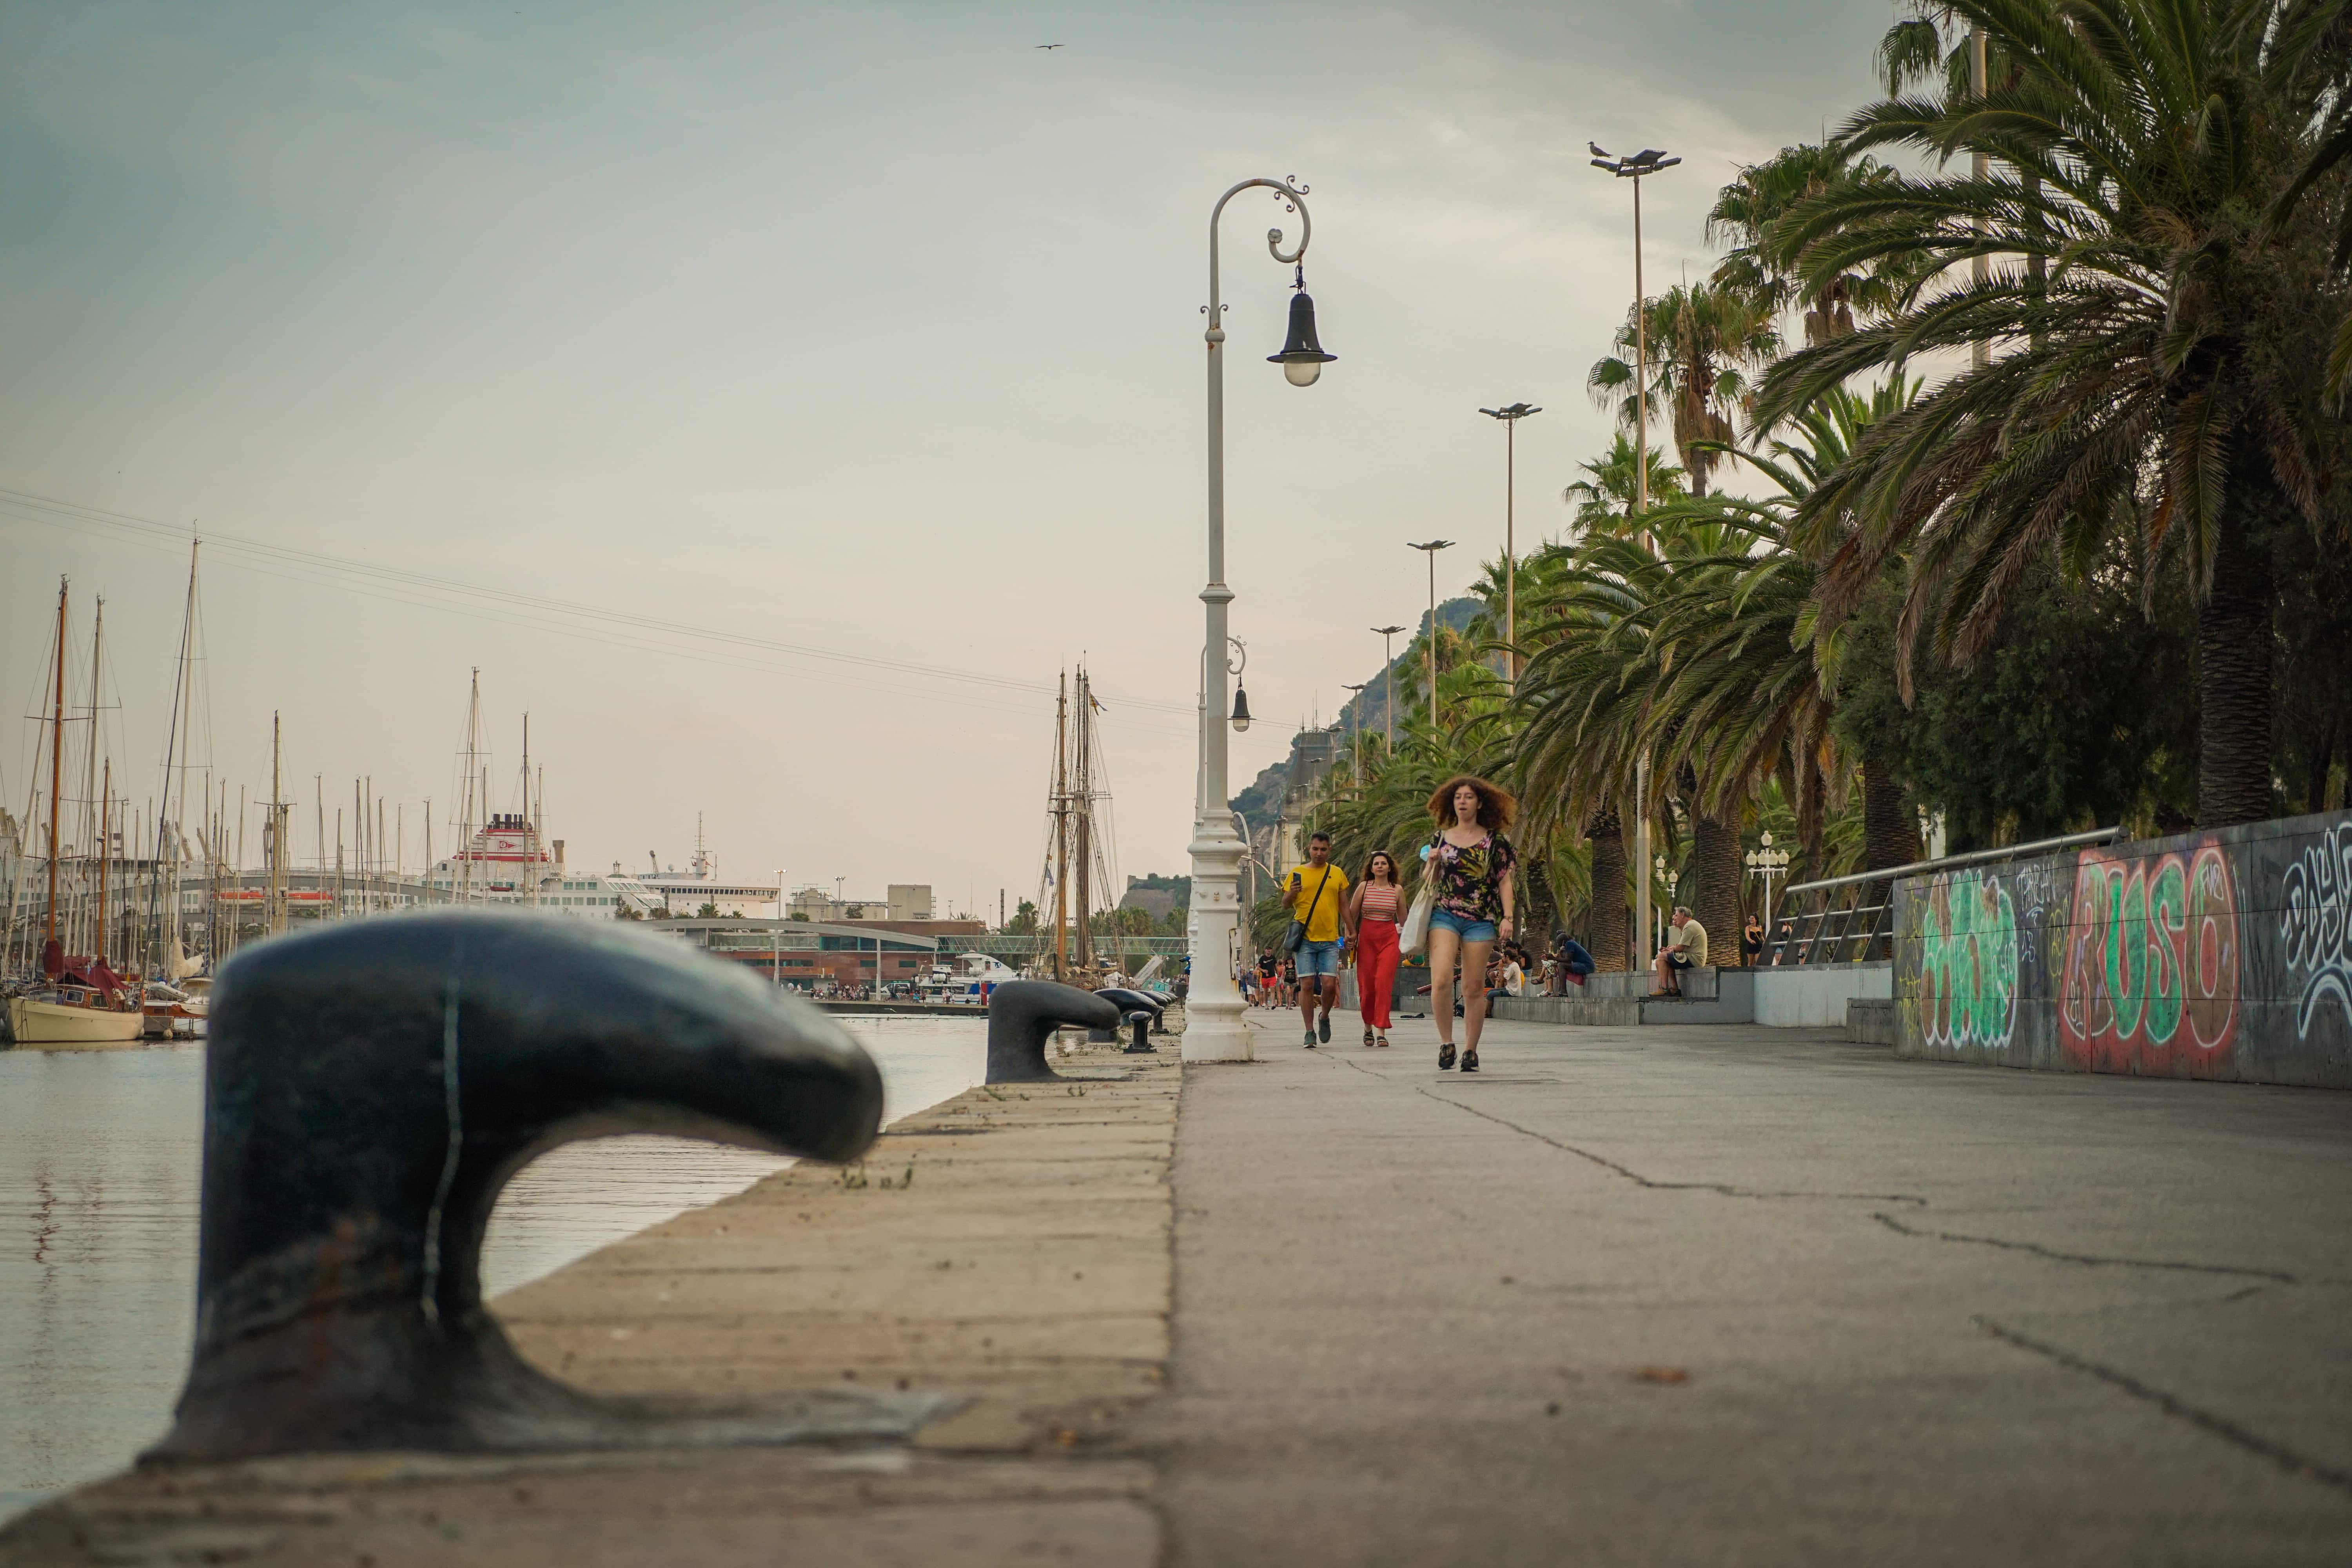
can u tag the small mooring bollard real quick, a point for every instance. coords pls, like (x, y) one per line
(1023, 1012)
(1142, 1009)
(369, 1088)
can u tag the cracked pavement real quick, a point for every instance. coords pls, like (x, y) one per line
(1921, 1313)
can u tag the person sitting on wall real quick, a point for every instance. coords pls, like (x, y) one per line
(1575, 963)
(1685, 949)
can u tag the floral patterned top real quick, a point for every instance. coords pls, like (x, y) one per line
(1469, 881)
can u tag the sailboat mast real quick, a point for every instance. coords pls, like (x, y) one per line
(56, 777)
(105, 834)
(89, 758)
(277, 845)
(1083, 809)
(1061, 828)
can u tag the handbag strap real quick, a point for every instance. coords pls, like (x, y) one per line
(1318, 898)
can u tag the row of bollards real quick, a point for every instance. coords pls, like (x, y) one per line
(370, 1088)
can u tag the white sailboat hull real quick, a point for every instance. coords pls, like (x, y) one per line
(35, 1023)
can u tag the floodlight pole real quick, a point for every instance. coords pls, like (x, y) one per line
(1635, 167)
(1510, 416)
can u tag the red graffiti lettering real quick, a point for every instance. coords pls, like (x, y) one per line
(2153, 945)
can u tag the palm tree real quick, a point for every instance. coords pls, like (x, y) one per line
(1702, 339)
(1605, 503)
(2161, 384)
(1744, 212)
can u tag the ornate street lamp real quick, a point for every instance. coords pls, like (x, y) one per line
(1214, 1030)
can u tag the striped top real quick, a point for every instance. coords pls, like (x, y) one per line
(1381, 901)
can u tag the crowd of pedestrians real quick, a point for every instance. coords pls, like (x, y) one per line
(1460, 907)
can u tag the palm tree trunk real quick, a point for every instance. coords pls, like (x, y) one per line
(1715, 844)
(2233, 652)
(1890, 831)
(1608, 910)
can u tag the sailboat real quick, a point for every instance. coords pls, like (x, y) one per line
(81, 1001)
(1076, 876)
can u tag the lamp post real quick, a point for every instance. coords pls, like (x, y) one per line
(1355, 728)
(1510, 416)
(1388, 673)
(1430, 550)
(1768, 863)
(1637, 167)
(1214, 1030)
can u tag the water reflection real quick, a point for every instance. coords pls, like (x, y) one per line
(99, 1156)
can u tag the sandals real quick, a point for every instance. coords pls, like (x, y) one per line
(1445, 1055)
(1383, 1042)
(1368, 1039)
(1470, 1059)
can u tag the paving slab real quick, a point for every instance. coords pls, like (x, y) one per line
(1736, 1295)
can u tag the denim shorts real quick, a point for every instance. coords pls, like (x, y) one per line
(1318, 958)
(1467, 930)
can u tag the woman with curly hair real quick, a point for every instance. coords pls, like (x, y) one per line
(1469, 865)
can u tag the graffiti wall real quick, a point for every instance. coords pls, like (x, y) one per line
(2224, 955)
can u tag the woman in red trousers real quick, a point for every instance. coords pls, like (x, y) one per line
(1376, 905)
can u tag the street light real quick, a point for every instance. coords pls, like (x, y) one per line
(1214, 1030)
(1302, 359)
(1388, 673)
(1674, 881)
(1510, 416)
(1241, 694)
(1355, 728)
(1768, 863)
(1637, 167)
(1430, 550)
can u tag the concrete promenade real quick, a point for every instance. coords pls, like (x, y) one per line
(1643, 1296)
(1730, 1295)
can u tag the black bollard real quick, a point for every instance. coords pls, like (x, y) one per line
(1142, 1009)
(369, 1088)
(1023, 1012)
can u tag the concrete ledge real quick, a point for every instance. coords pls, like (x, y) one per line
(1870, 1020)
(1011, 1244)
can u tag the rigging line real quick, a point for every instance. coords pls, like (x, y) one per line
(74, 513)
(622, 636)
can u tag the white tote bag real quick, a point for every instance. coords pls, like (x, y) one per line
(1415, 934)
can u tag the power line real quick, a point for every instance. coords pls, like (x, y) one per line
(621, 628)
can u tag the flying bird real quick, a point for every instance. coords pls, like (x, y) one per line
(1049, 45)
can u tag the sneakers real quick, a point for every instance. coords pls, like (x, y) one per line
(1445, 1055)
(1323, 1025)
(1470, 1059)
(1311, 1039)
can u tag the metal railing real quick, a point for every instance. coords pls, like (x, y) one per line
(1880, 927)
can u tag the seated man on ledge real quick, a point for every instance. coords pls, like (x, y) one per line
(1686, 948)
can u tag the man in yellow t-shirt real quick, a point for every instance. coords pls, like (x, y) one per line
(1316, 894)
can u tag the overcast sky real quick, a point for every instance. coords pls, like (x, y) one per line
(864, 328)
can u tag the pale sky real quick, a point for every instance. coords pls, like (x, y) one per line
(865, 327)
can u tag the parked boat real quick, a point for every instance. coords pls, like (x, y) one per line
(73, 1015)
(967, 984)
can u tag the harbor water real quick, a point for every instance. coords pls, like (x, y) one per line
(99, 1156)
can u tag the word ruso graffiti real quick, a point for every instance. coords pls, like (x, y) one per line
(2152, 955)
(1968, 962)
(2316, 925)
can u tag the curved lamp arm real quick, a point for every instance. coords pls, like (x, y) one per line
(1293, 197)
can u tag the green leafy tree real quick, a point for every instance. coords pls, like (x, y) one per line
(1025, 920)
(2159, 363)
